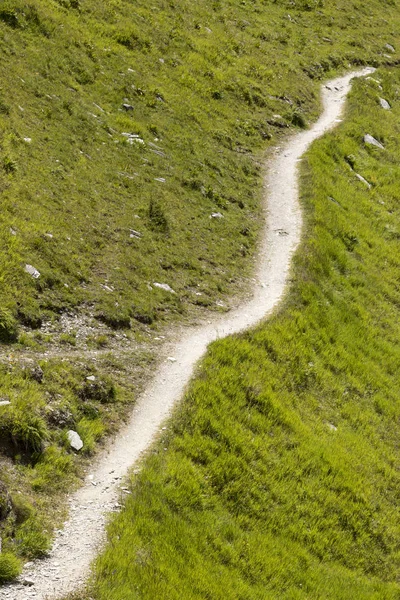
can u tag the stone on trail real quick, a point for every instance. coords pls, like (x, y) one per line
(369, 139)
(165, 287)
(74, 440)
(384, 104)
(32, 271)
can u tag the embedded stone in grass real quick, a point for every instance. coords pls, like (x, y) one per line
(37, 374)
(361, 178)
(390, 48)
(4, 402)
(216, 215)
(75, 440)
(165, 287)
(384, 104)
(369, 139)
(127, 107)
(32, 271)
(134, 234)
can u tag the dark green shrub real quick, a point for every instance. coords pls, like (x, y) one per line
(8, 326)
(158, 220)
(22, 509)
(5, 502)
(9, 16)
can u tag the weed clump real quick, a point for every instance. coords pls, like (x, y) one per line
(10, 567)
(100, 390)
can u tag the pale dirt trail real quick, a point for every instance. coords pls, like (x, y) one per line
(84, 532)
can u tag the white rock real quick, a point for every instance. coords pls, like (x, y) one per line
(91, 378)
(390, 48)
(75, 440)
(384, 103)
(27, 140)
(4, 402)
(32, 271)
(216, 215)
(171, 359)
(369, 139)
(164, 286)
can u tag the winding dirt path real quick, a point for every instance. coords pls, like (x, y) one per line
(83, 534)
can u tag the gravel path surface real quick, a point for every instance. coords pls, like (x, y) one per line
(83, 534)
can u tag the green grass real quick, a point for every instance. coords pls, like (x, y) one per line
(278, 476)
(206, 81)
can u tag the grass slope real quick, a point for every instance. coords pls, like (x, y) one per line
(278, 476)
(211, 85)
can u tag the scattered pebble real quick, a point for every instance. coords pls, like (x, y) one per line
(165, 287)
(32, 271)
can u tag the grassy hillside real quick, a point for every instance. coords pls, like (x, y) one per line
(278, 477)
(123, 128)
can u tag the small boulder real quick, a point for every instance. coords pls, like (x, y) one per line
(216, 215)
(384, 104)
(127, 107)
(390, 48)
(75, 440)
(369, 139)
